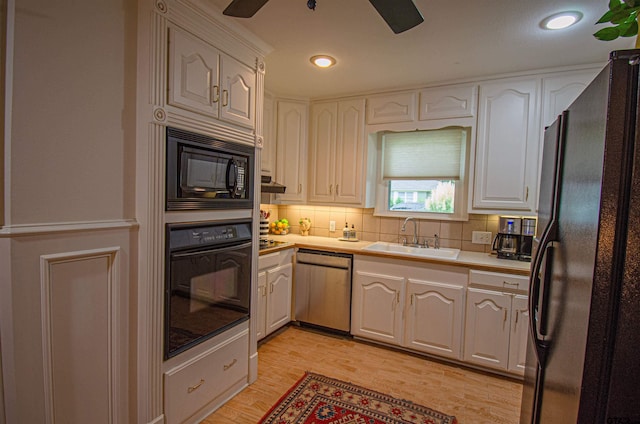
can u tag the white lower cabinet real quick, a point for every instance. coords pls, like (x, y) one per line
(496, 330)
(376, 308)
(519, 334)
(193, 389)
(428, 308)
(434, 317)
(275, 282)
(420, 307)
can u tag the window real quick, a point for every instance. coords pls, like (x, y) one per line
(422, 173)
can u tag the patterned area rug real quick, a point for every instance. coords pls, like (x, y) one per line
(317, 399)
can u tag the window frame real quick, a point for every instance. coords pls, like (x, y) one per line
(461, 186)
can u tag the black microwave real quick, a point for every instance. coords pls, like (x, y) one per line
(203, 172)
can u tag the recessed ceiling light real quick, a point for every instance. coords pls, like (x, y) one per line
(561, 20)
(323, 61)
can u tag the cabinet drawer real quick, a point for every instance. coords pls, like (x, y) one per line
(191, 386)
(499, 280)
(279, 258)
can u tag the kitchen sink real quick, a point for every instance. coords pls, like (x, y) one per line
(416, 252)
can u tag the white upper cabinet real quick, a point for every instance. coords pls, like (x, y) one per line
(457, 101)
(388, 108)
(337, 153)
(238, 95)
(559, 91)
(507, 148)
(322, 151)
(193, 74)
(291, 150)
(208, 82)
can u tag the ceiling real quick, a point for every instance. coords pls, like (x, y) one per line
(458, 40)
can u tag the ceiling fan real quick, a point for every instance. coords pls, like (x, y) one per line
(400, 15)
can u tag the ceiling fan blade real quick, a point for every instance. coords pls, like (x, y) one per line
(400, 15)
(243, 8)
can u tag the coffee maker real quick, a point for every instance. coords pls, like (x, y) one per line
(515, 238)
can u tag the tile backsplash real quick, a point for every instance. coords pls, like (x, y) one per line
(454, 234)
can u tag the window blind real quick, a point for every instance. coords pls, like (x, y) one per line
(424, 155)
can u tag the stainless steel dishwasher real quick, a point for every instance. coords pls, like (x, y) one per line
(323, 289)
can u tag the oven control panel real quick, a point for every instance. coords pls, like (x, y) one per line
(184, 236)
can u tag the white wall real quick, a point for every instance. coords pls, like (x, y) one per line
(68, 236)
(73, 111)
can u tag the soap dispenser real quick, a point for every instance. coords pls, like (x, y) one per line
(345, 231)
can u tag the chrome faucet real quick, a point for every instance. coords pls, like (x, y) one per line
(436, 241)
(415, 229)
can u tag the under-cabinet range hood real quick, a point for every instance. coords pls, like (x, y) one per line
(269, 186)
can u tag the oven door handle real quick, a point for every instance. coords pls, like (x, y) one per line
(206, 252)
(232, 185)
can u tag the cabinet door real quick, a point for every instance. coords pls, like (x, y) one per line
(349, 157)
(506, 162)
(559, 91)
(433, 321)
(268, 159)
(519, 334)
(279, 285)
(377, 307)
(291, 150)
(238, 96)
(193, 74)
(448, 102)
(322, 152)
(487, 328)
(261, 312)
(399, 107)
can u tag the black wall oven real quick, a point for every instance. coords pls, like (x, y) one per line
(207, 173)
(207, 281)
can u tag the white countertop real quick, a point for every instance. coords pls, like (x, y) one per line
(465, 258)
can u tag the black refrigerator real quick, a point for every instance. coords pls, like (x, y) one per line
(583, 353)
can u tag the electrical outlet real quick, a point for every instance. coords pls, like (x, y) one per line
(481, 237)
(332, 226)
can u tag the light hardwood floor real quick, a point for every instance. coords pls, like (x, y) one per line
(473, 397)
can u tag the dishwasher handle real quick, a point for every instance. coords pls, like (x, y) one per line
(325, 259)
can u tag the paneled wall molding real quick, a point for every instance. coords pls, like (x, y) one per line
(202, 20)
(65, 227)
(93, 275)
(192, 122)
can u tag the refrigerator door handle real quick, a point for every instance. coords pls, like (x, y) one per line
(544, 255)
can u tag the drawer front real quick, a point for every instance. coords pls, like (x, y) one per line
(274, 259)
(194, 384)
(499, 280)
